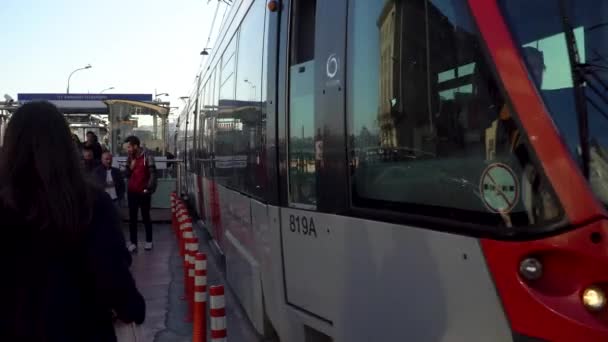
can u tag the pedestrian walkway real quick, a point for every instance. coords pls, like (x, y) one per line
(159, 277)
(152, 274)
(156, 215)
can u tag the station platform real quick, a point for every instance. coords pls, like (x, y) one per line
(156, 215)
(159, 276)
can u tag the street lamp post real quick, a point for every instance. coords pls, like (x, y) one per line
(101, 92)
(88, 66)
(159, 95)
(253, 87)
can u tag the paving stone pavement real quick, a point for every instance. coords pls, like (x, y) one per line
(159, 277)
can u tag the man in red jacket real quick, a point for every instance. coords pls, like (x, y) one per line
(141, 171)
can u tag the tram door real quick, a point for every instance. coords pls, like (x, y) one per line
(316, 172)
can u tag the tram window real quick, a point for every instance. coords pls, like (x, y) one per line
(216, 92)
(545, 49)
(225, 122)
(201, 126)
(248, 143)
(302, 168)
(427, 119)
(228, 72)
(303, 31)
(207, 112)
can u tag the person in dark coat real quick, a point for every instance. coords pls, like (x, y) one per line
(110, 178)
(64, 262)
(93, 143)
(89, 161)
(77, 144)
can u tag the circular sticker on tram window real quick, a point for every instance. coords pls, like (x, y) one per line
(499, 188)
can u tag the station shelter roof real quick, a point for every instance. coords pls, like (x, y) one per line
(90, 103)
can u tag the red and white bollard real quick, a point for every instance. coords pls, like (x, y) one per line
(191, 248)
(199, 328)
(184, 226)
(181, 215)
(180, 207)
(217, 311)
(187, 236)
(173, 200)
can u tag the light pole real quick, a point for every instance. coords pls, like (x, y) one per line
(253, 87)
(88, 66)
(101, 92)
(159, 95)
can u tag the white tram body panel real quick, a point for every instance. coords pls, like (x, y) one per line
(357, 280)
(311, 270)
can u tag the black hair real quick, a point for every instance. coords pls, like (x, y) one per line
(133, 140)
(40, 174)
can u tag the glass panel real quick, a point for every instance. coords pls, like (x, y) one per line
(302, 170)
(430, 131)
(225, 123)
(191, 123)
(545, 48)
(249, 140)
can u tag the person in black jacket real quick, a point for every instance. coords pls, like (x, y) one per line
(89, 163)
(92, 142)
(65, 267)
(110, 178)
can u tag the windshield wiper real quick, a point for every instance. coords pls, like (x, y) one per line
(578, 80)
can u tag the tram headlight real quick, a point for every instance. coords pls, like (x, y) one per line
(531, 268)
(594, 298)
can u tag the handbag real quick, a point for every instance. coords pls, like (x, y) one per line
(128, 332)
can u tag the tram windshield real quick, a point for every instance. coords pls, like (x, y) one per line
(570, 38)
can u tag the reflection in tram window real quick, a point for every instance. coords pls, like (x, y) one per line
(225, 122)
(546, 35)
(234, 125)
(249, 86)
(426, 118)
(302, 169)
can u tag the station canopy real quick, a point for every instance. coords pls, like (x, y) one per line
(97, 103)
(119, 109)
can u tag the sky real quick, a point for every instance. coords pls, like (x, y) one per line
(136, 46)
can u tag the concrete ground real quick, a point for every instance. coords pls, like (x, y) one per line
(156, 215)
(159, 277)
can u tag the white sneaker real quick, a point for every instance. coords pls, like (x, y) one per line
(148, 246)
(132, 247)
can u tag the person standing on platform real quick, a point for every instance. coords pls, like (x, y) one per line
(111, 179)
(93, 143)
(65, 268)
(141, 171)
(77, 144)
(90, 163)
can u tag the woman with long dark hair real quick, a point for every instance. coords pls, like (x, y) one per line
(64, 262)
